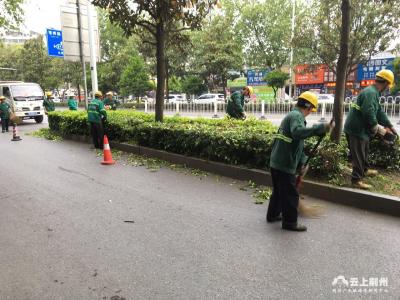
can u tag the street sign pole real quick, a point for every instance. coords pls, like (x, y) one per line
(93, 67)
(81, 53)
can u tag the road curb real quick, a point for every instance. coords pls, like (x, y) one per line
(385, 204)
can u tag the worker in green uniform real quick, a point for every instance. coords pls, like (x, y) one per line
(72, 103)
(366, 117)
(109, 102)
(5, 110)
(287, 157)
(97, 115)
(235, 107)
(48, 102)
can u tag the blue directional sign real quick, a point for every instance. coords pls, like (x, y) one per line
(373, 66)
(55, 43)
(256, 77)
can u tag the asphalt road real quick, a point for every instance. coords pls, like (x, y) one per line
(63, 235)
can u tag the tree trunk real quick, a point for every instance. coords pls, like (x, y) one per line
(224, 85)
(79, 92)
(166, 78)
(341, 72)
(160, 71)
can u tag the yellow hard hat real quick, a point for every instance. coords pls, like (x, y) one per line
(110, 93)
(49, 94)
(386, 75)
(310, 97)
(2, 98)
(250, 89)
(98, 94)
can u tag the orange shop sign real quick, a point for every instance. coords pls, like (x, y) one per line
(367, 82)
(333, 84)
(309, 74)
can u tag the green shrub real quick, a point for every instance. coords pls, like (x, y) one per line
(384, 156)
(65, 104)
(230, 141)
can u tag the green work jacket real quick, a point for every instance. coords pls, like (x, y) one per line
(112, 103)
(365, 113)
(72, 104)
(288, 148)
(235, 107)
(96, 111)
(48, 104)
(5, 110)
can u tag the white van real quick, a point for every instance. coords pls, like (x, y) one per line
(26, 99)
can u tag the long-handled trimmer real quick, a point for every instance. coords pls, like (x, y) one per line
(309, 211)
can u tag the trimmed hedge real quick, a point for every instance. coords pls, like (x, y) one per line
(230, 141)
(65, 104)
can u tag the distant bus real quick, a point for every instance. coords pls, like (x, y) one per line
(26, 99)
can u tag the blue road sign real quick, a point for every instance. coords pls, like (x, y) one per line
(256, 77)
(55, 43)
(368, 71)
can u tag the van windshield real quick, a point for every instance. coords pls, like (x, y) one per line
(31, 91)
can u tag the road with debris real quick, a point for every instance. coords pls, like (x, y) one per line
(71, 228)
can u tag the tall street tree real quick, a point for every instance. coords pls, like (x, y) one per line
(216, 53)
(34, 63)
(373, 25)
(276, 79)
(155, 16)
(9, 57)
(341, 70)
(10, 13)
(134, 79)
(263, 27)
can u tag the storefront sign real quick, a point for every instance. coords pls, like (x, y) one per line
(368, 71)
(306, 74)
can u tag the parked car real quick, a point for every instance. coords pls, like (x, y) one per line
(326, 98)
(56, 100)
(209, 98)
(173, 98)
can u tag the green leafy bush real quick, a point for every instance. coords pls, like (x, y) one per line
(384, 156)
(225, 140)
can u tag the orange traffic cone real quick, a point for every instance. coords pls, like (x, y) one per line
(107, 153)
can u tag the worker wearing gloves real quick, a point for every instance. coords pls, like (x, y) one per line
(287, 157)
(109, 102)
(235, 107)
(5, 110)
(48, 102)
(365, 120)
(72, 103)
(97, 115)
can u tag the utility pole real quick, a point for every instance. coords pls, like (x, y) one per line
(291, 49)
(92, 46)
(81, 53)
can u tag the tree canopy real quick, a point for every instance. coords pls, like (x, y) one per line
(159, 18)
(276, 79)
(10, 13)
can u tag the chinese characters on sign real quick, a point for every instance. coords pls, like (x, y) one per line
(352, 285)
(55, 43)
(307, 74)
(368, 71)
(255, 78)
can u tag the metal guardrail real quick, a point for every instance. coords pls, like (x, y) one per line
(390, 105)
